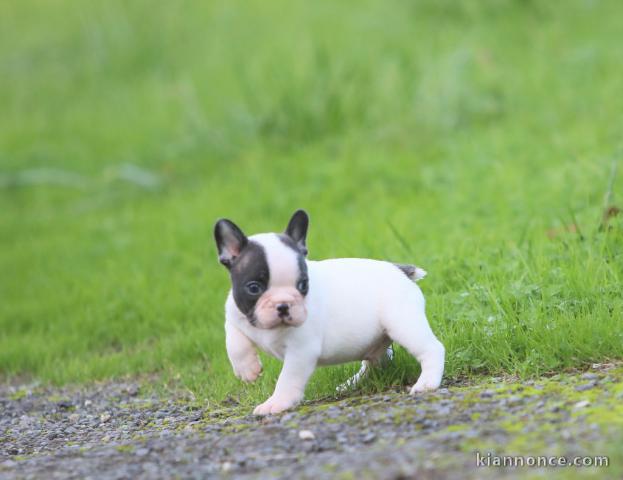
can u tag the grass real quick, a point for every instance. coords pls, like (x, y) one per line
(475, 139)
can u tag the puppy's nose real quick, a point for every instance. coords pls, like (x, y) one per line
(283, 309)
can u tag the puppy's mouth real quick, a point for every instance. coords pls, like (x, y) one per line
(290, 322)
(279, 322)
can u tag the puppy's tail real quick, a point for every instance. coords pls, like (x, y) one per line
(411, 271)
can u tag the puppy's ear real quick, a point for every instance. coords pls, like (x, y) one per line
(297, 229)
(229, 240)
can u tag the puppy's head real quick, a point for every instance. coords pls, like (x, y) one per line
(268, 271)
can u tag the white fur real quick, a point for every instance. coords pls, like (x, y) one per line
(355, 308)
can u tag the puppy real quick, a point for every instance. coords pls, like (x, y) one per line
(310, 313)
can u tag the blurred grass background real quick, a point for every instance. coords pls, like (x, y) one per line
(474, 138)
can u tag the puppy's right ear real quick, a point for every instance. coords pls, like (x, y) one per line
(229, 241)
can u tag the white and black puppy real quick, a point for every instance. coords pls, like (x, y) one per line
(309, 313)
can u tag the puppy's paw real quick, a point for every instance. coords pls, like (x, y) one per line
(424, 384)
(248, 371)
(275, 405)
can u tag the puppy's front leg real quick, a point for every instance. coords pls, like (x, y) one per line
(297, 368)
(242, 354)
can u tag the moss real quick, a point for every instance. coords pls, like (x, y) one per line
(237, 428)
(314, 407)
(524, 444)
(402, 416)
(606, 416)
(471, 397)
(457, 427)
(125, 448)
(18, 395)
(347, 475)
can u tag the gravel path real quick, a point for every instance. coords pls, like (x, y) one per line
(114, 431)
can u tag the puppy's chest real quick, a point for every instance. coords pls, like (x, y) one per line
(271, 341)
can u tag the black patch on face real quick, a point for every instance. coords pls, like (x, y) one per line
(250, 266)
(289, 242)
(302, 282)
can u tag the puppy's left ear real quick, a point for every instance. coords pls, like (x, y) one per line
(297, 229)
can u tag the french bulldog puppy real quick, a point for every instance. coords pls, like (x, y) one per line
(310, 313)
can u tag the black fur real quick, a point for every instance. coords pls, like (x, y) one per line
(297, 230)
(408, 270)
(230, 241)
(250, 266)
(288, 241)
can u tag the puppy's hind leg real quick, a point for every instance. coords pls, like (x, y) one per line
(432, 362)
(408, 326)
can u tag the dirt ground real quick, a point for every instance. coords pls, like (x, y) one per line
(115, 430)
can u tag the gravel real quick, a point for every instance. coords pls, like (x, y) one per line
(113, 431)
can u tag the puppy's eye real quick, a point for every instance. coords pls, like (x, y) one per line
(302, 286)
(254, 288)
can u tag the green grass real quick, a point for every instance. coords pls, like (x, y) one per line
(463, 136)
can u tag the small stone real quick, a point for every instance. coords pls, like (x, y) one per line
(287, 417)
(589, 376)
(141, 452)
(106, 438)
(486, 394)
(25, 420)
(133, 390)
(582, 404)
(88, 403)
(306, 435)
(74, 417)
(64, 405)
(584, 387)
(104, 417)
(9, 464)
(444, 411)
(226, 466)
(369, 437)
